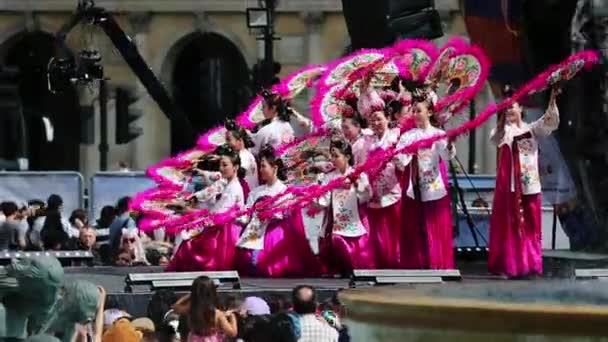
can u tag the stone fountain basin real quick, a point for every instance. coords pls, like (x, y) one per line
(491, 312)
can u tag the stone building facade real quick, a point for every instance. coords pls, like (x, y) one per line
(311, 31)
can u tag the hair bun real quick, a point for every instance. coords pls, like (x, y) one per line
(507, 90)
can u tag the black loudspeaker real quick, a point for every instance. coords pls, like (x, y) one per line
(376, 24)
(425, 24)
(366, 23)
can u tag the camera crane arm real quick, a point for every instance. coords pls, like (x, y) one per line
(86, 11)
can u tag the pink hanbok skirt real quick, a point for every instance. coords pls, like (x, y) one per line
(385, 230)
(211, 250)
(343, 254)
(515, 247)
(286, 252)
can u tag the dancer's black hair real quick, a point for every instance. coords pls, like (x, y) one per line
(275, 100)
(344, 148)
(267, 153)
(238, 132)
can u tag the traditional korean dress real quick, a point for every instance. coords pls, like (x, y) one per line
(384, 208)
(276, 133)
(275, 247)
(360, 147)
(426, 240)
(213, 248)
(346, 244)
(515, 224)
(250, 165)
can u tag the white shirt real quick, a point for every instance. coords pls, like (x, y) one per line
(253, 234)
(528, 147)
(249, 164)
(430, 183)
(276, 133)
(222, 195)
(386, 188)
(344, 204)
(315, 330)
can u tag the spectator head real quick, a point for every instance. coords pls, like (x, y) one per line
(79, 218)
(107, 215)
(87, 237)
(304, 299)
(122, 331)
(278, 303)
(124, 258)
(160, 305)
(203, 303)
(9, 209)
(284, 329)
(255, 306)
(122, 206)
(54, 203)
(156, 258)
(233, 302)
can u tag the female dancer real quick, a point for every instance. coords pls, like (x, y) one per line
(274, 247)
(515, 224)
(352, 126)
(238, 139)
(277, 129)
(346, 244)
(213, 248)
(385, 205)
(427, 233)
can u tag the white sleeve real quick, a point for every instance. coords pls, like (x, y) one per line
(441, 146)
(402, 160)
(210, 193)
(364, 189)
(547, 123)
(324, 200)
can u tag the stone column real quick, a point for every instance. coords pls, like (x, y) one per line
(313, 38)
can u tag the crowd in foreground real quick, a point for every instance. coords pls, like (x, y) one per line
(202, 316)
(113, 239)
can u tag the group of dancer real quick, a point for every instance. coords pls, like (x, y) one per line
(399, 217)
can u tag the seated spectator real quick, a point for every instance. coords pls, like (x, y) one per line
(13, 228)
(160, 305)
(107, 216)
(131, 242)
(87, 242)
(52, 234)
(312, 328)
(255, 306)
(156, 258)
(122, 221)
(36, 209)
(79, 219)
(53, 210)
(278, 303)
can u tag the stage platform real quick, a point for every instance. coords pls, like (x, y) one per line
(559, 265)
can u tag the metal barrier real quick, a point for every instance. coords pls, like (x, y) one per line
(23, 186)
(105, 188)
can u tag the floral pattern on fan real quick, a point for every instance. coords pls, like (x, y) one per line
(413, 64)
(345, 67)
(564, 73)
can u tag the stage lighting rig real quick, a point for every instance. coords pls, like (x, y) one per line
(64, 70)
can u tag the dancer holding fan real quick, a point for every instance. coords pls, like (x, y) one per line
(385, 204)
(427, 232)
(213, 248)
(346, 243)
(276, 246)
(515, 224)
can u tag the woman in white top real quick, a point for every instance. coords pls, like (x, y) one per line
(238, 139)
(384, 208)
(346, 245)
(276, 129)
(274, 247)
(427, 232)
(213, 248)
(515, 224)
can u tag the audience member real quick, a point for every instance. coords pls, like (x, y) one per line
(313, 329)
(205, 319)
(122, 221)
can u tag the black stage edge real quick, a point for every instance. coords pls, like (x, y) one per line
(558, 264)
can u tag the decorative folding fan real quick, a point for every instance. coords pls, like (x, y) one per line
(155, 202)
(457, 79)
(566, 70)
(341, 70)
(212, 139)
(412, 58)
(301, 158)
(300, 80)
